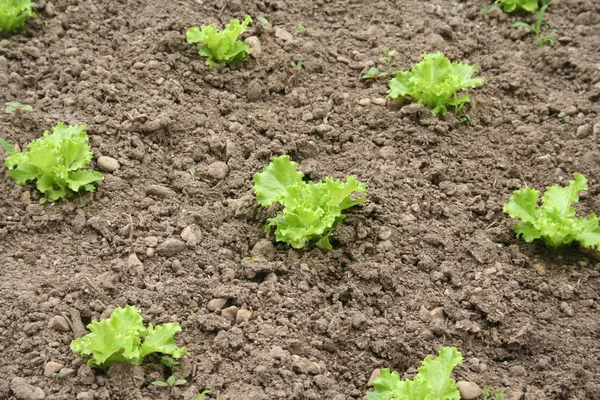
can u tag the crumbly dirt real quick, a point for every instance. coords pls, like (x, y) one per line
(304, 324)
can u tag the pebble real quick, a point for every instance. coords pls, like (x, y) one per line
(23, 391)
(135, 265)
(597, 129)
(364, 102)
(160, 191)
(518, 370)
(570, 110)
(235, 127)
(191, 234)
(255, 46)
(305, 366)
(379, 101)
(72, 51)
(67, 372)
(216, 304)
(218, 170)
(264, 247)
(254, 91)
(283, 34)
(138, 65)
(564, 307)
(385, 233)
(108, 164)
(170, 247)
(59, 323)
(374, 375)
(52, 368)
(151, 241)
(468, 390)
(242, 316)
(230, 313)
(85, 395)
(584, 131)
(587, 302)
(50, 10)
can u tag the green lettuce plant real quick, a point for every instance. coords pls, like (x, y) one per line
(221, 46)
(554, 221)
(14, 13)
(435, 82)
(432, 382)
(123, 338)
(515, 6)
(310, 210)
(55, 162)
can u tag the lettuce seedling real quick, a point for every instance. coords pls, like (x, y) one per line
(432, 382)
(554, 221)
(13, 14)
(221, 47)
(310, 210)
(514, 6)
(123, 338)
(435, 82)
(55, 162)
(20, 110)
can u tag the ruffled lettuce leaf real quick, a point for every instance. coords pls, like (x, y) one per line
(55, 163)
(310, 210)
(221, 47)
(123, 338)
(555, 220)
(432, 382)
(435, 82)
(14, 13)
(510, 6)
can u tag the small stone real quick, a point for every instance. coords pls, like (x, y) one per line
(468, 390)
(138, 65)
(374, 375)
(424, 314)
(565, 308)
(379, 101)
(21, 389)
(242, 316)
(255, 91)
(170, 247)
(38, 394)
(26, 197)
(587, 302)
(150, 251)
(230, 312)
(270, 277)
(235, 127)
(597, 129)
(584, 131)
(437, 313)
(540, 268)
(52, 368)
(283, 34)
(570, 110)
(216, 304)
(85, 395)
(265, 248)
(218, 170)
(160, 191)
(255, 46)
(364, 102)
(67, 372)
(495, 12)
(50, 10)
(191, 234)
(518, 370)
(385, 233)
(151, 241)
(72, 51)
(135, 265)
(304, 366)
(59, 323)
(489, 271)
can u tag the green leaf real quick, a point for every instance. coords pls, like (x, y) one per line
(555, 220)
(55, 163)
(522, 24)
(14, 13)
(433, 381)
(119, 339)
(160, 383)
(271, 184)
(512, 6)
(7, 147)
(221, 47)
(434, 82)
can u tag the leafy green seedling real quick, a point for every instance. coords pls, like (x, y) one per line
(265, 23)
(514, 6)
(554, 221)
(201, 395)
(221, 47)
(14, 13)
(123, 338)
(168, 362)
(192, 171)
(536, 29)
(301, 29)
(296, 66)
(55, 162)
(170, 382)
(389, 55)
(431, 382)
(374, 73)
(489, 394)
(435, 82)
(310, 210)
(21, 111)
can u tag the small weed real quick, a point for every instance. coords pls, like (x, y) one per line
(168, 362)
(539, 39)
(301, 29)
(490, 394)
(389, 55)
(201, 395)
(265, 23)
(297, 67)
(374, 73)
(54, 377)
(171, 382)
(193, 171)
(21, 111)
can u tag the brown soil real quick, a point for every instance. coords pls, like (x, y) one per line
(432, 233)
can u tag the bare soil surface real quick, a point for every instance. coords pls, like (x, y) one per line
(429, 260)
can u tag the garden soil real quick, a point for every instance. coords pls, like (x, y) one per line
(429, 260)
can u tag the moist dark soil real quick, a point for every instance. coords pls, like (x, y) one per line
(429, 260)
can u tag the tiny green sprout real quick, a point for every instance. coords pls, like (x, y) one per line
(265, 23)
(193, 170)
(54, 377)
(20, 110)
(248, 258)
(168, 362)
(536, 29)
(374, 73)
(171, 382)
(389, 55)
(201, 395)
(561, 115)
(466, 118)
(490, 394)
(192, 312)
(297, 66)
(325, 112)
(301, 29)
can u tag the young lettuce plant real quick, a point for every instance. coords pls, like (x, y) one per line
(432, 382)
(554, 221)
(514, 6)
(123, 338)
(310, 210)
(221, 47)
(55, 162)
(13, 14)
(435, 82)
